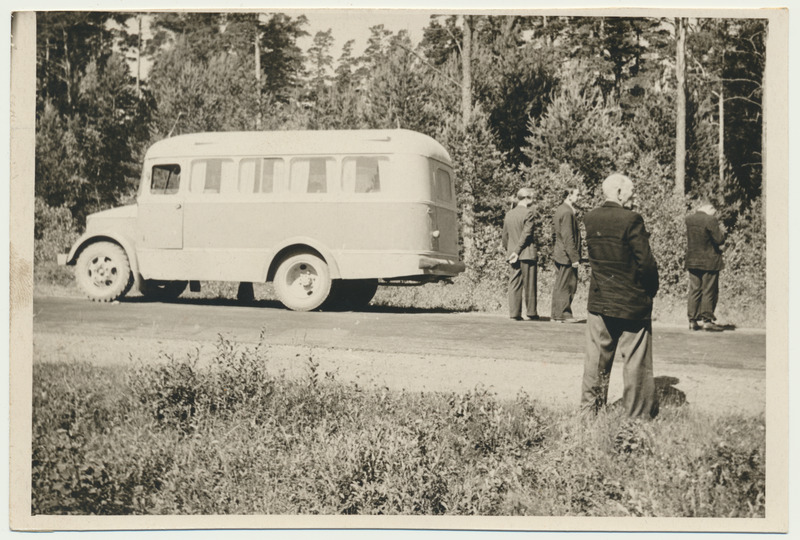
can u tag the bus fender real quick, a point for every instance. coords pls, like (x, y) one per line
(302, 244)
(110, 236)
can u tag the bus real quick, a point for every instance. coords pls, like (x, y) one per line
(326, 216)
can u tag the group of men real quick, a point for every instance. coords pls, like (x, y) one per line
(623, 283)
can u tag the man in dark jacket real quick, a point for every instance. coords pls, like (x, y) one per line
(623, 283)
(521, 253)
(566, 257)
(704, 244)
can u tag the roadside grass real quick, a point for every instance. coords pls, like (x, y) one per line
(230, 437)
(463, 294)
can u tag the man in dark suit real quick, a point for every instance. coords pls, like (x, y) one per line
(704, 244)
(566, 257)
(519, 243)
(623, 283)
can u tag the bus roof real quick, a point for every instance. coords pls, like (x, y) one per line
(255, 143)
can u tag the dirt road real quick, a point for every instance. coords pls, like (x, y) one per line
(400, 349)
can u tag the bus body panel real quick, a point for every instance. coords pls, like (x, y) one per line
(384, 208)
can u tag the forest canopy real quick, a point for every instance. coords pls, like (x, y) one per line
(537, 101)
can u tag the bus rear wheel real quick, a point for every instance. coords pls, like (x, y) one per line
(103, 272)
(302, 282)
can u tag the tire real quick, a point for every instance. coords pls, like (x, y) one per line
(302, 282)
(103, 272)
(162, 290)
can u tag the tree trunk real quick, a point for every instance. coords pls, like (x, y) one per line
(257, 48)
(764, 102)
(466, 68)
(139, 60)
(721, 136)
(680, 121)
(468, 208)
(67, 69)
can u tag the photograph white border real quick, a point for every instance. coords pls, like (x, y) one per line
(20, 318)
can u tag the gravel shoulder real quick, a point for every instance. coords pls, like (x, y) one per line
(553, 380)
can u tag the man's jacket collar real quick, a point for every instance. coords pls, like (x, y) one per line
(612, 204)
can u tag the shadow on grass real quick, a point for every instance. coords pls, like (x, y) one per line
(668, 395)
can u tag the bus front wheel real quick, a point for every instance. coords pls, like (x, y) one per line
(302, 282)
(103, 272)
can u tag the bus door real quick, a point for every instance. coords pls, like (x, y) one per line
(444, 217)
(160, 209)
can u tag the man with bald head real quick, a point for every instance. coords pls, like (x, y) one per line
(623, 283)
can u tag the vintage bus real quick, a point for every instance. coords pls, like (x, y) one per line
(324, 215)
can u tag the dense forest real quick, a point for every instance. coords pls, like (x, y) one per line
(536, 101)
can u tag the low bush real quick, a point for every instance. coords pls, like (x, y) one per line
(54, 232)
(230, 437)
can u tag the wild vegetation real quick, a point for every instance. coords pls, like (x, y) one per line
(517, 100)
(230, 436)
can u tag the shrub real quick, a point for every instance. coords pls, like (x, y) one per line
(228, 437)
(54, 232)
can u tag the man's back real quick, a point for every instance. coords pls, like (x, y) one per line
(624, 273)
(704, 238)
(566, 248)
(513, 226)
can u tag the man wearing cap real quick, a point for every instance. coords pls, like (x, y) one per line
(704, 245)
(566, 257)
(521, 253)
(623, 283)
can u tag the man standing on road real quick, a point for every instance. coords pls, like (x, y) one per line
(623, 283)
(566, 257)
(704, 244)
(521, 253)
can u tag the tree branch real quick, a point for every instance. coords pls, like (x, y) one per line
(428, 64)
(748, 100)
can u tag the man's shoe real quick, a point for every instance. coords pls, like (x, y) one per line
(694, 325)
(517, 318)
(711, 326)
(532, 318)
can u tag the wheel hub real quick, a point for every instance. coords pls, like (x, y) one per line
(103, 272)
(303, 280)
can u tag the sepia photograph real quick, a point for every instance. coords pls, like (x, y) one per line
(446, 269)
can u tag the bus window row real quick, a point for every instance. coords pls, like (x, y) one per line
(359, 174)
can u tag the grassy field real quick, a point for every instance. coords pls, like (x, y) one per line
(231, 437)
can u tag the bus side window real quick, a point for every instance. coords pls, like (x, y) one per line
(212, 176)
(165, 179)
(310, 175)
(443, 185)
(361, 174)
(249, 173)
(271, 175)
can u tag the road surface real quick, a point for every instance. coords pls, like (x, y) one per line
(380, 329)
(424, 350)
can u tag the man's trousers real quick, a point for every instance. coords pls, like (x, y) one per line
(610, 338)
(564, 287)
(522, 284)
(703, 294)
